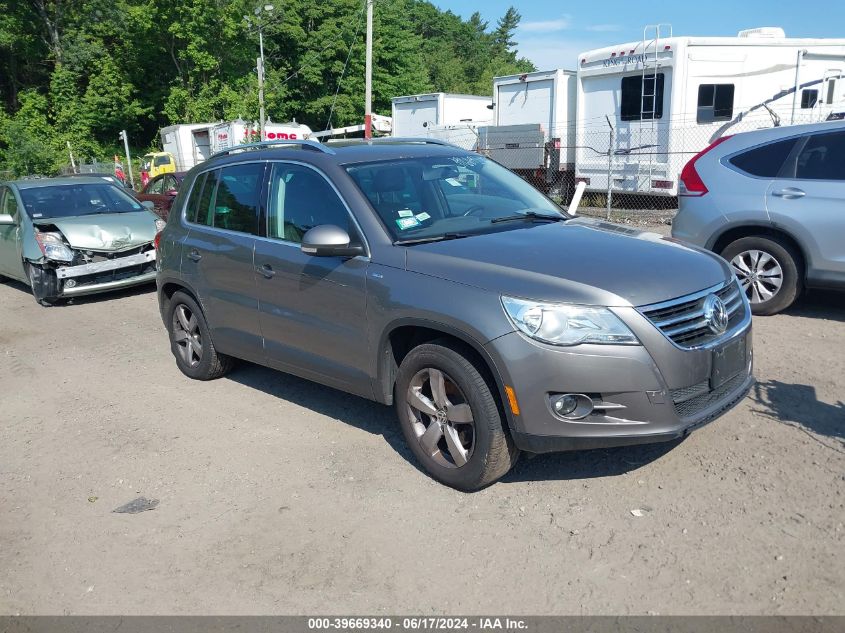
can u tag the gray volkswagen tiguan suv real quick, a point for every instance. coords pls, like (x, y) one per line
(417, 274)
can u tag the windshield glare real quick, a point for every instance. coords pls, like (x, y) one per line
(420, 198)
(67, 201)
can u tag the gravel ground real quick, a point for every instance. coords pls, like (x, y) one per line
(280, 496)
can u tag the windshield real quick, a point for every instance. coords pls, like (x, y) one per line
(427, 198)
(67, 201)
(161, 160)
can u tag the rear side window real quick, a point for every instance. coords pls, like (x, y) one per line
(642, 99)
(823, 157)
(715, 103)
(764, 161)
(236, 198)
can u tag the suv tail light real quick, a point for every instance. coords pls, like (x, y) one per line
(691, 183)
(157, 240)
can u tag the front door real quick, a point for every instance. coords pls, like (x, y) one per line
(10, 243)
(312, 309)
(217, 255)
(808, 201)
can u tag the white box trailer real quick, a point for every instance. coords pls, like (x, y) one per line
(533, 128)
(414, 114)
(188, 142)
(667, 98)
(229, 133)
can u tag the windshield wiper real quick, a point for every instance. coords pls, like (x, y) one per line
(433, 238)
(529, 216)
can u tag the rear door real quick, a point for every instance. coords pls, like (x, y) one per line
(10, 240)
(217, 256)
(312, 309)
(808, 198)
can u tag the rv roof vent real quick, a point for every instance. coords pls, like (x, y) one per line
(763, 32)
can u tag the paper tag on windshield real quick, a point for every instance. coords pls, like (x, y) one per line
(454, 182)
(422, 217)
(407, 223)
(405, 213)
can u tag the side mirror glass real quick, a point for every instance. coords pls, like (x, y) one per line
(5, 218)
(328, 240)
(148, 204)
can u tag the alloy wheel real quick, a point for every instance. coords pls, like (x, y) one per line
(759, 273)
(441, 418)
(187, 336)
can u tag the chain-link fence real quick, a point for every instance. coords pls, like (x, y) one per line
(631, 168)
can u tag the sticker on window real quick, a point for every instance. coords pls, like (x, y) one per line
(454, 182)
(407, 223)
(422, 217)
(405, 213)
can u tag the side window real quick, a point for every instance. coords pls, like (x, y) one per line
(236, 199)
(9, 203)
(194, 199)
(301, 199)
(205, 205)
(809, 98)
(715, 103)
(642, 101)
(157, 186)
(170, 184)
(823, 157)
(764, 161)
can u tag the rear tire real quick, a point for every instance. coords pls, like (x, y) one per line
(769, 271)
(190, 340)
(465, 411)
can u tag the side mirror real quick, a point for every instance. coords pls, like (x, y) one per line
(148, 204)
(5, 219)
(328, 240)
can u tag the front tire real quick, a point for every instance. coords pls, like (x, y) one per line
(451, 420)
(190, 340)
(768, 271)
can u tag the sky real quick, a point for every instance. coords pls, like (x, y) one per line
(553, 33)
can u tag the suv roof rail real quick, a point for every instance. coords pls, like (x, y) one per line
(303, 143)
(390, 140)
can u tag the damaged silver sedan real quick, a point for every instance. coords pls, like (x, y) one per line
(65, 237)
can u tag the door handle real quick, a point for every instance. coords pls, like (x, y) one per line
(789, 193)
(267, 271)
(194, 255)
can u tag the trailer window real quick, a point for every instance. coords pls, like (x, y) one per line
(831, 91)
(809, 98)
(715, 103)
(642, 101)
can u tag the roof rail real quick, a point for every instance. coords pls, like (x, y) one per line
(390, 140)
(303, 143)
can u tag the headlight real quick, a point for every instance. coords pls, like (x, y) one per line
(160, 224)
(565, 324)
(54, 247)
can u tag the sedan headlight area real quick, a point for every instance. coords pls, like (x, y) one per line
(565, 324)
(53, 247)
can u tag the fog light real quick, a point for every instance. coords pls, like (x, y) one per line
(572, 406)
(564, 405)
(70, 283)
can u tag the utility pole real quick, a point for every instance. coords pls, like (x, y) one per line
(368, 80)
(258, 19)
(125, 138)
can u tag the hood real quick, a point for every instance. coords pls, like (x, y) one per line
(107, 232)
(580, 261)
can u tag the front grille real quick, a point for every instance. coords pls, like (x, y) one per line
(682, 320)
(687, 406)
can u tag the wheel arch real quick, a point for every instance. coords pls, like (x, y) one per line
(167, 288)
(736, 232)
(405, 334)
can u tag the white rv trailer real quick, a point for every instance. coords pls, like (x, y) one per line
(414, 114)
(188, 142)
(227, 134)
(533, 129)
(668, 97)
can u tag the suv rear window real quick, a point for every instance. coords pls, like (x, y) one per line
(764, 161)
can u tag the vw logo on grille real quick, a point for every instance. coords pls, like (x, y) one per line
(716, 314)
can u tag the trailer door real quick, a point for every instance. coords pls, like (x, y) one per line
(526, 102)
(412, 118)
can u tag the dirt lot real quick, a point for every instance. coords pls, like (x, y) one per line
(279, 496)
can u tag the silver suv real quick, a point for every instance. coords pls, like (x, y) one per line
(420, 275)
(772, 203)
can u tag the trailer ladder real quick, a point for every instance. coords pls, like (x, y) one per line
(649, 136)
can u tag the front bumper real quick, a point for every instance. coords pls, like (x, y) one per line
(660, 391)
(110, 274)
